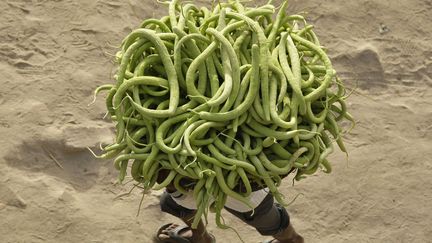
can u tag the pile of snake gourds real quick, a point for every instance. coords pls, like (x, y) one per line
(224, 97)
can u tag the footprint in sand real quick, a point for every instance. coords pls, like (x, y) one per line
(9, 198)
(63, 154)
(363, 67)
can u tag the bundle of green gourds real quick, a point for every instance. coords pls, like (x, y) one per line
(224, 97)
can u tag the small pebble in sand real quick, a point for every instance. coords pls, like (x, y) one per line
(383, 29)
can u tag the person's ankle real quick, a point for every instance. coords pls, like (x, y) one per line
(296, 239)
(289, 235)
(204, 238)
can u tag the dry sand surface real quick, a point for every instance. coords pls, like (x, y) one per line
(53, 53)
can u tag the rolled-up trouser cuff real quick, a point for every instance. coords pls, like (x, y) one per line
(168, 205)
(268, 218)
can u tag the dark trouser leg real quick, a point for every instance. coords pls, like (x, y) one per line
(168, 205)
(268, 218)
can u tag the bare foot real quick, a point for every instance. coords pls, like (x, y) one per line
(169, 234)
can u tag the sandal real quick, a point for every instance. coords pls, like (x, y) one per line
(175, 235)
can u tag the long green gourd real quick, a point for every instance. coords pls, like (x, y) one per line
(221, 98)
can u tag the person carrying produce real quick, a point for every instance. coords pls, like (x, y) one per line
(217, 106)
(268, 218)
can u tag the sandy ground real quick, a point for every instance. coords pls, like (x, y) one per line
(54, 53)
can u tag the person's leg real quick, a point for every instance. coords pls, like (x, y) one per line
(270, 219)
(170, 206)
(288, 236)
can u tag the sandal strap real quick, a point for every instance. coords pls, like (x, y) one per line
(175, 234)
(163, 227)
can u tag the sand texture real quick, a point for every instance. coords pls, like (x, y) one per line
(54, 53)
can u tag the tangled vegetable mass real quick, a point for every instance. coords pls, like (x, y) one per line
(227, 99)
